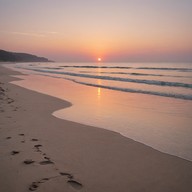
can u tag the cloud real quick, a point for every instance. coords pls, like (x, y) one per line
(32, 34)
(28, 34)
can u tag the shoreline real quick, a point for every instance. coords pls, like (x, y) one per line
(147, 119)
(69, 156)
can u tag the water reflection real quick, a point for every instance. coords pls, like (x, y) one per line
(98, 92)
(99, 89)
(99, 83)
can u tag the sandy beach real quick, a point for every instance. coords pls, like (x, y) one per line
(40, 152)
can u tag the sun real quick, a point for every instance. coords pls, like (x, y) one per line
(99, 59)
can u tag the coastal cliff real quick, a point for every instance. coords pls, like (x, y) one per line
(20, 57)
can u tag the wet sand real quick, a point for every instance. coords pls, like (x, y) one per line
(40, 152)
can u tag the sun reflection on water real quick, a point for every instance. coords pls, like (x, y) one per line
(99, 83)
(98, 92)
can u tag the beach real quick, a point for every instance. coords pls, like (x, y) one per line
(40, 152)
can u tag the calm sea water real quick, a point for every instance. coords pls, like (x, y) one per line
(163, 79)
(148, 102)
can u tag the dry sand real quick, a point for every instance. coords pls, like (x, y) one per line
(39, 152)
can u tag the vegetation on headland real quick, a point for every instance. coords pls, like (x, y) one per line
(7, 56)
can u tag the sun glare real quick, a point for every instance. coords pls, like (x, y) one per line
(99, 59)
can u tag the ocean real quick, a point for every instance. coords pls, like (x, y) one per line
(163, 79)
(147, 102)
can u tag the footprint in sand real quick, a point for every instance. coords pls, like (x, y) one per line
(70, 178)
(35, 185)
(66, 174)
(28, 161)
(46, 162)
(47, 158)
(37, 147)
(8, 137)
(75, 184)
(14, 152)
(34, 140)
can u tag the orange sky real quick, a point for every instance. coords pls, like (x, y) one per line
(115, 30)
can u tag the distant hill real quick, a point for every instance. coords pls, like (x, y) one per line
(20, 57)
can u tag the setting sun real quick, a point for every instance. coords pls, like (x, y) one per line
(99, 59)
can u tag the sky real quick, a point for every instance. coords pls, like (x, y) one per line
(84, 30)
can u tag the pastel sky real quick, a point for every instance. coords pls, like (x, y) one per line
(83, 30)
